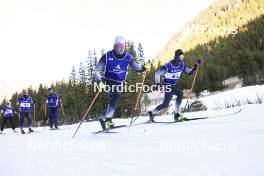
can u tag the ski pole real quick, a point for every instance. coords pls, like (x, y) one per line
(142, 111)
(190, 91)
(86, 113)
(45, 113)
(62, 110)
(34, 109)
(138, 97)
(18, 124)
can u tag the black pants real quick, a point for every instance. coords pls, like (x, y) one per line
(113, 100)
(4, 123)
(167, 99)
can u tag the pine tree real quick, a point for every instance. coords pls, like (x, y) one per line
(82, 74)
(102, 52)
(89, 67)
(73, 76)
(140, 54)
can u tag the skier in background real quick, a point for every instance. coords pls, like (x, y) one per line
(171, 73)
(25, 102)
(112, 70)
(8, 112)
(53, 104)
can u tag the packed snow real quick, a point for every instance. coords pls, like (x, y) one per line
(221, 145)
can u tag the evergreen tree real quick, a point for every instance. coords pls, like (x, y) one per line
(140, 54)
(81, 74)
(73, 76)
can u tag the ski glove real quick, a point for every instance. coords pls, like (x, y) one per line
(147, 66)
(198, 62)
(101, 85)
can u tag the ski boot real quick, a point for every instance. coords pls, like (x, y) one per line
(23, 132)
(179, 118)
(30, 130)
(102, 123)
(151, 116)
(56, 128)
(109, 124)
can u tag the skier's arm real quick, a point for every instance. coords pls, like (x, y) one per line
(136, 67)
(100, 68)
(190, 71)
(31, 101)
(160, 72)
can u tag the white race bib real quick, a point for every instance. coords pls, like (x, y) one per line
(8, 111)
(172, 75)
(25, 105)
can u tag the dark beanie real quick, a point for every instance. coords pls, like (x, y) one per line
(178, 52)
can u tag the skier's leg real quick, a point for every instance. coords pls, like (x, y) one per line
(3, 124)
(166, 101)
(21, 123)
(108, 113)
(112, 104)
(12, 124)
(56, 117)
(178, 102)
(29, 118)
(51, 117)
(177, 116)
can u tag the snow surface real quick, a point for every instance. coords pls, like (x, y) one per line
(230, 145)
(222, 100)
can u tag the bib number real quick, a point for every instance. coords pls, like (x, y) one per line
(25, 105)
(8, 111)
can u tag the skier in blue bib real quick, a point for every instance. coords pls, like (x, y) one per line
(171, 73)
(25, 102)
(8, 112)
(112, 71)
(53, 104)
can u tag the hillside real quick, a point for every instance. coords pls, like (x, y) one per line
(221, 19)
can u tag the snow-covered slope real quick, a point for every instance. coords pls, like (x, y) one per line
(230, 145)
(236, 97)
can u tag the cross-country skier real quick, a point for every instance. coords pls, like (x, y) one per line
(53, 104)
(171, 73)
(8, 112)
(111, 71)
(25, 102)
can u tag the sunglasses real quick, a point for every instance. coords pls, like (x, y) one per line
(120, 45)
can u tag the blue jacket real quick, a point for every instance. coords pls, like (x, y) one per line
(25, 103)
(8, 112)
(114, 67)
(171, 72)
(53, 100)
